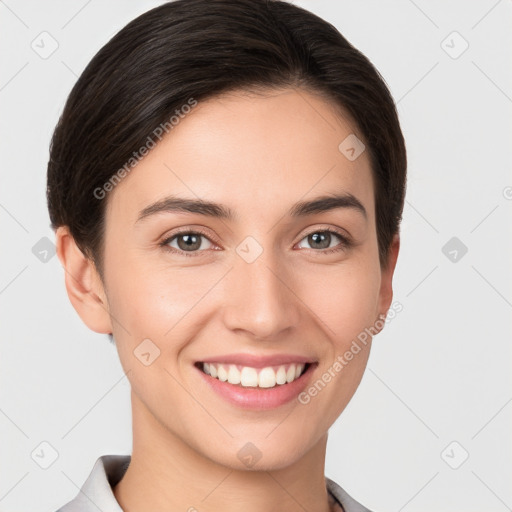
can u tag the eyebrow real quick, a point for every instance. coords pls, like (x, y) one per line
(173, 204)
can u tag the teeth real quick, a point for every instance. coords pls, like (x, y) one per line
(267, 378)
(233, 374)
(248, 377)
(222, 374)
(281, 375)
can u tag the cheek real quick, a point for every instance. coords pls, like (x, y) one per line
(345, 304)
(152, 299)
(344, 299)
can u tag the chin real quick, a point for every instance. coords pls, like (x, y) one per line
(260, 454)
(262, 461)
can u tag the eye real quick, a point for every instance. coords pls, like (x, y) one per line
(322, 240)
(186, 242)
(190, 243)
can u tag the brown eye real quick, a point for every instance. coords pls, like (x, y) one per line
(189, 242)
(325, 241)
(186, 242)
(320, 240)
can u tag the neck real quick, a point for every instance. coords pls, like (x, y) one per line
(167, 474)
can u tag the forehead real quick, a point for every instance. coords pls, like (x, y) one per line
(253, 152)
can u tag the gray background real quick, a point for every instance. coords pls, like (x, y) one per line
(438, 385)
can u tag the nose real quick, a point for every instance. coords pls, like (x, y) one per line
(260, 298)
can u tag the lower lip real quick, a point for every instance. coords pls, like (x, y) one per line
(259, 398)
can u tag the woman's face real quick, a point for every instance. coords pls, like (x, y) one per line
(276, 284)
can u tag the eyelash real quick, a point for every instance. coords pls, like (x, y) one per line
(345, 243)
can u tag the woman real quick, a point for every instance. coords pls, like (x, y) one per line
(226, 184)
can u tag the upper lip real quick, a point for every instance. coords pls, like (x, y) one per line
(255, 361)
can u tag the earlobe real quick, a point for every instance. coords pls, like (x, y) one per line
(83, 284)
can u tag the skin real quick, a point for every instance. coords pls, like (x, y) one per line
(258, 155)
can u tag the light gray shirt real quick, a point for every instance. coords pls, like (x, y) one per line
(96, 493)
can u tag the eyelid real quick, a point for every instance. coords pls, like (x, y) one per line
(343, 233)
(187, 230)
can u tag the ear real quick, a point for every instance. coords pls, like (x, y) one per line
(83, 284)
(386, 283)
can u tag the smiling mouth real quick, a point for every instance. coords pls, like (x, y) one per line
(249, 377)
